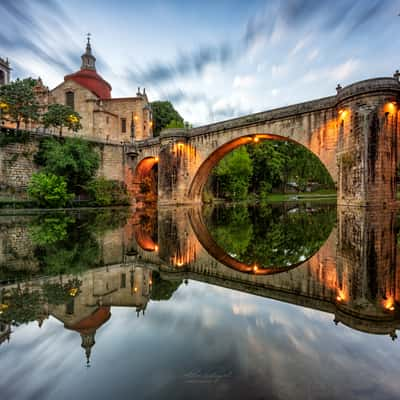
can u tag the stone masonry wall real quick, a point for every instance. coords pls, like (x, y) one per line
(17, 164)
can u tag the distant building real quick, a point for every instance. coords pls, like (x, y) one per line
(5, 71)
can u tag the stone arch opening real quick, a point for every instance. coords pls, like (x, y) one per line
(2, 77)
(200, 178)
(145, 181)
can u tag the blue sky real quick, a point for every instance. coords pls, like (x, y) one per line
(213, 59)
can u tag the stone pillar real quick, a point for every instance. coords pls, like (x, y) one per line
(178, 245)
(173, 170)
(367, 149)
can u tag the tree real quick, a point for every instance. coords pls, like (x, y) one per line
(60, 115)
(49, 190)
(18, 102)
(233, 174)
(73, 158)
(163, 114)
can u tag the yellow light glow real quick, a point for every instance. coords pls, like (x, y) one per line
(135, 117)
(156, 248)
(151, 123)
(180, 145)
(73, 292)
(156, 159)
(256, 139)
(179, 263)
(135, 289)
(255, 268)
(338, 298)
(150, 282)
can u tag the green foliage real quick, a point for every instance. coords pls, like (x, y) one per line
(277, 238)
(73, 158)
(60, 115)
(18, 102)
(163, 114)
(50, 230)
(175, 124)
(8, 136)
(60, 293)
(233, 174)
(162, 289)
(49, 190)
(108, 192)
(23, 306)
(273, 165)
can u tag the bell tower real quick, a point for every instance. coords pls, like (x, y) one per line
(5, 71)
(88, 59)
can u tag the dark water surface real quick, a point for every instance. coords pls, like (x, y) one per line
(286, 301)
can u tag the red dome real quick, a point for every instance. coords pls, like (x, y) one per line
(91, 80)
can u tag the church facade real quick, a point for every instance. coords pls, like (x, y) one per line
(103, 117)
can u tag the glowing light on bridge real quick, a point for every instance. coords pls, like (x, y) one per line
(256, 139)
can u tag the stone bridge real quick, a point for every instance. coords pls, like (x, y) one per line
(353, 133)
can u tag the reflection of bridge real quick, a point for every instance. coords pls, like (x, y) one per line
(354, 134)
(354, 275)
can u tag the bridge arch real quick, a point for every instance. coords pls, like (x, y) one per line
(203, 172)
(145, 179)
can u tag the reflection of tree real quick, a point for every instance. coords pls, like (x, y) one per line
(66, 244)
(275, 237)
(162, 289)
(23, 305)
(50, 230)
(235, 231)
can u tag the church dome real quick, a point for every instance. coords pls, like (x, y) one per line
(88, 77)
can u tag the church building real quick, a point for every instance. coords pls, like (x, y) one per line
(103, 117)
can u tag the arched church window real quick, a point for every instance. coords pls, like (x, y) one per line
(2, 78)
(70, 99)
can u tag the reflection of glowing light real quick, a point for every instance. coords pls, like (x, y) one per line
(156, 159)
(256, 139)
(150, 282)
(255, 268)
(135, 289)
(155, 248)
(179, 263)
(389, 304)
(180, 145)
(342, 114)
(340, 296)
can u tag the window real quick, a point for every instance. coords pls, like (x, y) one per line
(2, 78)
(123, 281)
(123, 125)
(70, 99)
(107, 120)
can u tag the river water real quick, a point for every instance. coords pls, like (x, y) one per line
(283, 301)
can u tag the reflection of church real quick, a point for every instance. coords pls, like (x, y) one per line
(89, 308)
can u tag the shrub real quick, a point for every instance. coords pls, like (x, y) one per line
(108, 192)
(49, 190)
(73, 158)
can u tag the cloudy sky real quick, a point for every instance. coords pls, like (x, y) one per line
(214, 59)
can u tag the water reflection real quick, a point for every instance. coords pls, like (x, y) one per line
(82, 268)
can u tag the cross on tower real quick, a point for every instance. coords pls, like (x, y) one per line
(88, 37)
